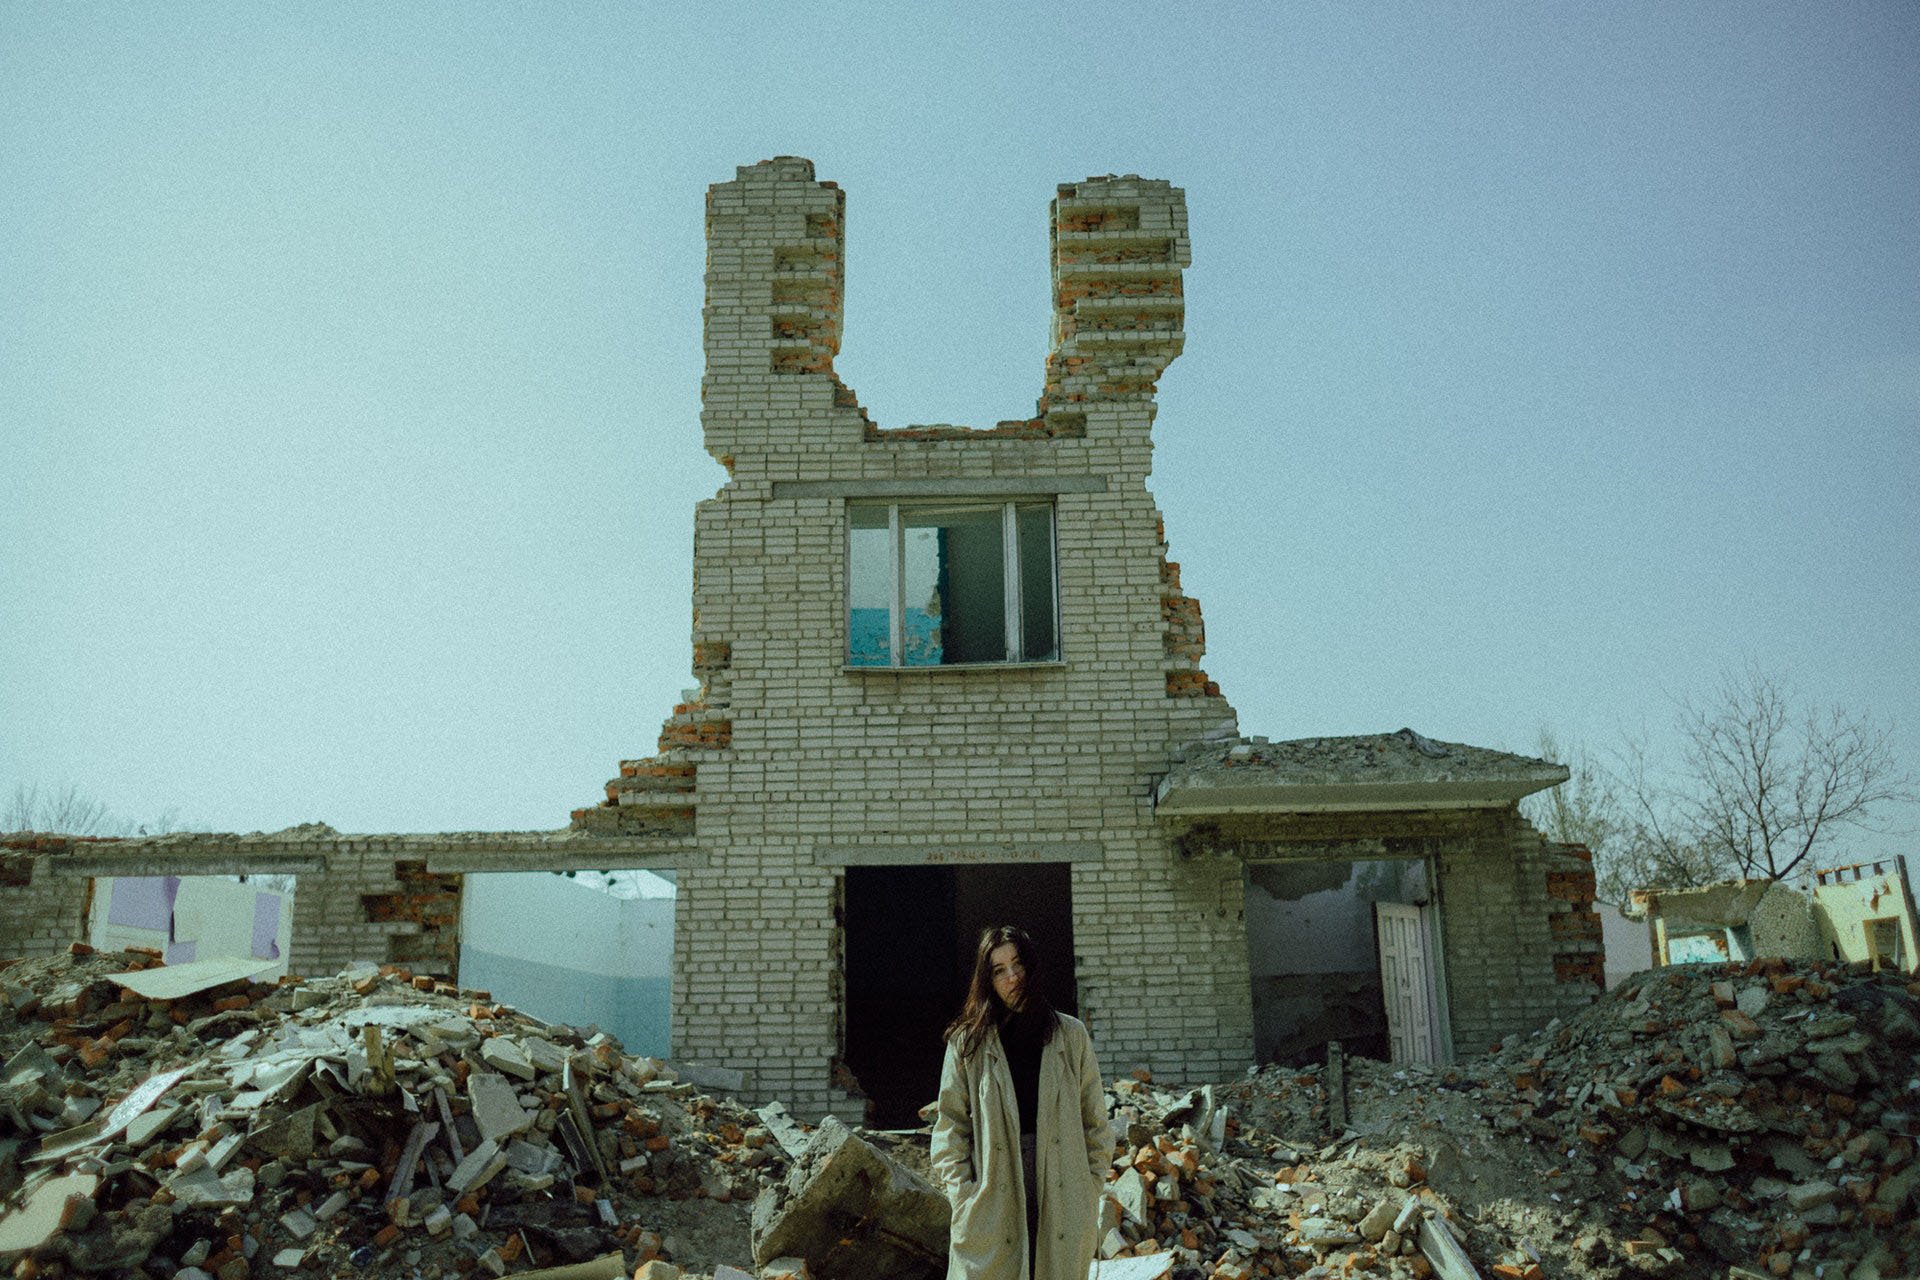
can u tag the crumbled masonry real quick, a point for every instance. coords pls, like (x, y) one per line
(1743, 1121)
(368, 1124)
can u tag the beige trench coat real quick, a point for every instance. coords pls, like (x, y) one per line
(976, 1157)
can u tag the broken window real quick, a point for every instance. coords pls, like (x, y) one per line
(940, 584)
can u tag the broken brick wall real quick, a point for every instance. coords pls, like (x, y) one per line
(822, 765)
(41, 912)
(388, 899)
(1523, 943)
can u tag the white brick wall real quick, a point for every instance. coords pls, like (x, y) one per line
(826, 756)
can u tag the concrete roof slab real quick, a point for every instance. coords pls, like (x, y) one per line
(1367, 772)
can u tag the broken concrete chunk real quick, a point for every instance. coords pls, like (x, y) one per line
(481, 1164)
(291, 1136)
(1327, 1231)
(204, 1189)
(497, 1112)
(1808, 1195)
(40, 1217)
(1130, 1192)
(786, 1131)
(853, 1212)
(527, 1158)
(505, 1056)
(223, 1151)
(1379, 1220)
(144, 1128)
(544, 1054)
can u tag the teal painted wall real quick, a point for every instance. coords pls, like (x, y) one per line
(634, 1009)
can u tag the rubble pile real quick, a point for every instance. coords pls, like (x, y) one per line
(1222, 1200)
(374, 1123)
(1757, 1115)
(1763, 1113)
(1745, 1121)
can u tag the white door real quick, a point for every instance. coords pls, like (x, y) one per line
(1406, 981)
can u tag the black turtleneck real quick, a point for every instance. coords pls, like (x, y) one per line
(1022, 1035)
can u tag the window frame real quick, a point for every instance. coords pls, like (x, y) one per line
(1013, 602)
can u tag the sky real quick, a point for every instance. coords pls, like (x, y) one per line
(1543, 361)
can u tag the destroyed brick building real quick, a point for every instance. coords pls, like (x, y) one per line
(949, 677)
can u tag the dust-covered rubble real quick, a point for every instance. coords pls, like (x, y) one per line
(374, 1123)
(1700, 1121)
(1739, 1121)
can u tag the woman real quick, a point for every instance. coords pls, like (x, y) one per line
(1021, 1142)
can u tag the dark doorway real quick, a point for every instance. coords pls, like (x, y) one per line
(910, 938)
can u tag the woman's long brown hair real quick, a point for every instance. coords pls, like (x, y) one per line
(983, 1009)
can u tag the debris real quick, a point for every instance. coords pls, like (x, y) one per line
(178, 981)
(44, 1211)
(1620, 1139)
(1153, 1266)
(347, 1125)
(853, 1213)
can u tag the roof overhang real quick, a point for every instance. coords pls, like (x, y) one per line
(1178, 797)
(1373, 773)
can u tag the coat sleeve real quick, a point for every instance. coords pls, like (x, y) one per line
(1093, 1113)
(952, 1148)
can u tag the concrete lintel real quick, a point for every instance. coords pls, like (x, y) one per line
(1360, 849)
(1313, 850)
(940, 487)
(195, 863)
(612, 855)
(954, 855)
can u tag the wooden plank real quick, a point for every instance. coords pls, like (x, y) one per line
(1336, 1088)
(1450, 1261)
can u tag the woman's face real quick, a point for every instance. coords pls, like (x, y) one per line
(1009, 975)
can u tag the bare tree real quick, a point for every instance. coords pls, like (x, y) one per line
(1656, 844)
(1582, 810)
(63, 810)
(1620, 819)
(66, 810)
(1765, 783)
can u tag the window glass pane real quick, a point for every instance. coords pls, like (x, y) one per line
(955, 584)
(1038, 639)
(869, 593)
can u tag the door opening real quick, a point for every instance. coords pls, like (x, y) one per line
(909, 945)
(1319, 935)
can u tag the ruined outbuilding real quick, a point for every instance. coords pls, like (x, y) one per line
(948, 677)
(1861, 911)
